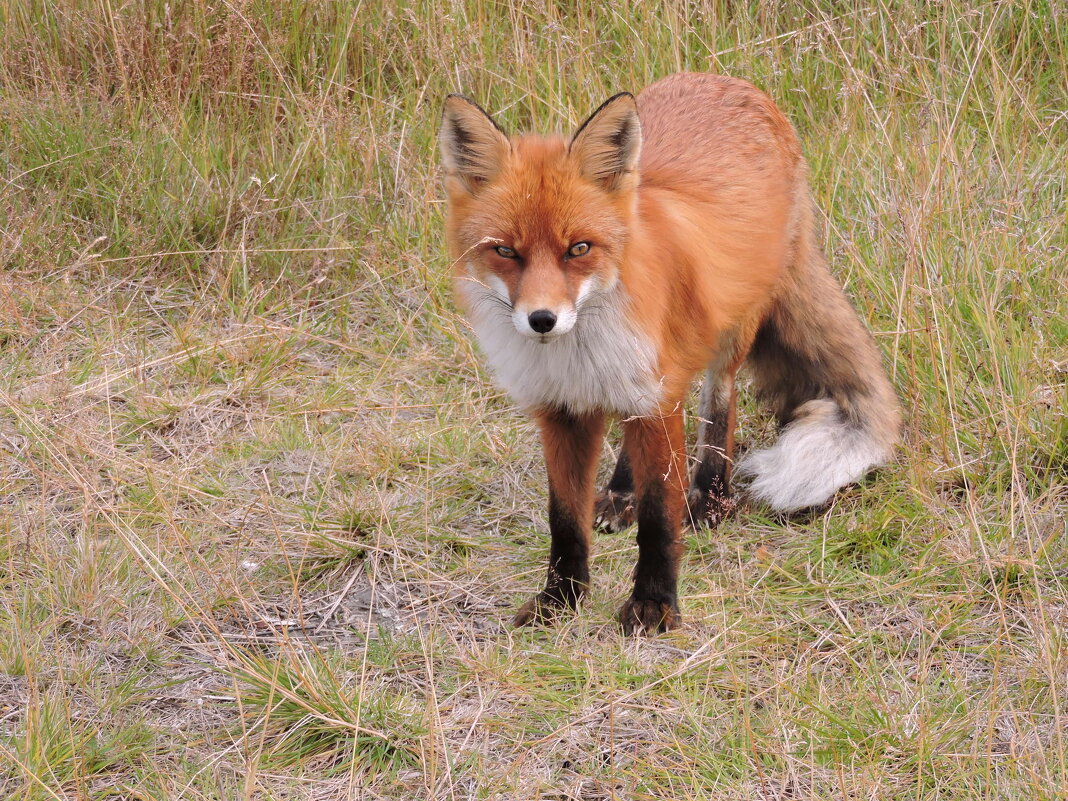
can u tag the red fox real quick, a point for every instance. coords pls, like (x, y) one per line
(672, 234)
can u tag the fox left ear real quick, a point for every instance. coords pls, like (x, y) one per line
(473, 146)
(608, 144)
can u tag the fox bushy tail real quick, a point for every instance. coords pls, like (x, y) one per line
(815, 362)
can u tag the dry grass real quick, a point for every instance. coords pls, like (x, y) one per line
(263, 518)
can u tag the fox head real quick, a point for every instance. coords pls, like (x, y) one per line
(540, 223)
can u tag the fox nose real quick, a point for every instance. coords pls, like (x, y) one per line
(542, 321)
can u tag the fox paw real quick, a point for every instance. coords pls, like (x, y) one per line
(613, 511)
(706, 508)
(647, 616)
(543, 608)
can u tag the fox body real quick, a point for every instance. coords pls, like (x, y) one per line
(671, 234)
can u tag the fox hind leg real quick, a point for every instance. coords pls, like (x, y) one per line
(709, 498)
(614, 507)
(817, 365)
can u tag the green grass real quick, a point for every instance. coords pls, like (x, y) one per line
(264, 518)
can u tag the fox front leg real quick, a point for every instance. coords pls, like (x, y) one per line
(572, 444)
(655, 449)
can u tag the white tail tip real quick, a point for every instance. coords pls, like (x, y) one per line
(815, 455)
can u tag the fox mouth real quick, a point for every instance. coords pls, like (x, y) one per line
(542, 338)
(548, 337)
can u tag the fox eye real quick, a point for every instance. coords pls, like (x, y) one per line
(579, 249)
(505, 252)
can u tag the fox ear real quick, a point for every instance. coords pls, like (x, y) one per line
(608, 144)
(473, 146)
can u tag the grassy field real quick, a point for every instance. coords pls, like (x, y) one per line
(264, 518)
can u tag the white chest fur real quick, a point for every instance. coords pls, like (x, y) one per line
(602, 363)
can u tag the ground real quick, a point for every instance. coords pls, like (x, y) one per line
(264, 518)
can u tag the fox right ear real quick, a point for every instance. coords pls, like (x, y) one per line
(609, 144)
(473, 146)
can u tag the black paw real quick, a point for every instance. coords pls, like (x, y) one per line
(648, 616)
(613, 511)
(705, 508)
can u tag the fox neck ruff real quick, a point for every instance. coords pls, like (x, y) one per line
(603, 363)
